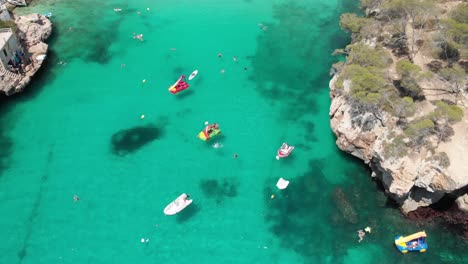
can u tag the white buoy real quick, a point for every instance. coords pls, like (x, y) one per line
(282, 184)
(368, 229)
(144, 81)
(142, 240)
(277, 157)
(147, 9)
(206, 123)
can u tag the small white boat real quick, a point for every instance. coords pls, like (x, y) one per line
(194, 73)
(177, 205)
(282, 184)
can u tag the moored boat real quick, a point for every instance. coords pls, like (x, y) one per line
(284, 151)
(177, 205)
(179, 85)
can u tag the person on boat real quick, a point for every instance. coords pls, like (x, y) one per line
(211, 128)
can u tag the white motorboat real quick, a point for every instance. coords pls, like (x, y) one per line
(282, 184)
(177, 205)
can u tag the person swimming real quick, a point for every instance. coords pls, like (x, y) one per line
(361, 235)
(217, 145)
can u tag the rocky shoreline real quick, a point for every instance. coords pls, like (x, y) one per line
(425, 177)
(32, 32)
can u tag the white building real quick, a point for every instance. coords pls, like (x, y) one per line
(8, 46)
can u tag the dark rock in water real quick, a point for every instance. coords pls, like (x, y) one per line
(344, 206)
(129, 140)
(219, 189)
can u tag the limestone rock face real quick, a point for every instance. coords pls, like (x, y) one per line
(34, 27)
(462, 203)
(414, 180)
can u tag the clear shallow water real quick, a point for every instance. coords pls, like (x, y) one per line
(58, 139)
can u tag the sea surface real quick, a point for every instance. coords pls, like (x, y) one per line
(78, 130)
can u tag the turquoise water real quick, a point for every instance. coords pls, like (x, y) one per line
(63, 138)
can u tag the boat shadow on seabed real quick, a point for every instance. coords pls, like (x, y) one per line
(184, 94)
(187, 213)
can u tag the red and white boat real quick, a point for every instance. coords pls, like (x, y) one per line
(284, 151)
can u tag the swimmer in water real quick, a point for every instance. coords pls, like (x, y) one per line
(361, 235)
(234, 58)
(217, 145)
(235, 156)
(76, 198)
(220, 55)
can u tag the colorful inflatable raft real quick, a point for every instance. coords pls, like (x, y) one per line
(414, 242)
(209, 132)
(179, 85)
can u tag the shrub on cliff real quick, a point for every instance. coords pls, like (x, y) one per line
(367, 56)
(455, 35)
(418, 130)
(455, 76)
(410, 75)
(403, 107)
(395, 148)
(365, 82)
(447, 113)
(352, 22)
(443, 116)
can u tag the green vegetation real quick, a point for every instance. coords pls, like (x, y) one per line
(410, 75)
(8, 24)
(352, 22)
(365, 82)
(403, 107)
(395, 148)
(455, 75)
(455, 43)
(418, 130)
(366, 56)
(447, 113)
(395, 25)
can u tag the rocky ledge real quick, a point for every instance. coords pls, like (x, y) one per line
(415, 180)
(33, 30)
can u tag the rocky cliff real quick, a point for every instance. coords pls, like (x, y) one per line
(415, 180)
(425, 174)
(32, 31)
